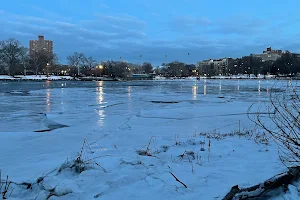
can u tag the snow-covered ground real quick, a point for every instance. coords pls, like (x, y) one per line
(112, 125)
(34, 77)
(245, 76)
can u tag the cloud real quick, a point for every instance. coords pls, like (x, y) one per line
(229, 26)
(121, 21)
(113, 27)
(111, 36)
(238, 26)
(101, 33)
(23, 18)
(23, 34)
(184, 23)
(46, 13)
(103, 6)
(64, 24)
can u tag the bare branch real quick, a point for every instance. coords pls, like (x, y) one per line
(283, 124)
(178, 180)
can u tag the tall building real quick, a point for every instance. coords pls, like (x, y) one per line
(40, 45)
(219, 66)
(271, 51)
(269, 55)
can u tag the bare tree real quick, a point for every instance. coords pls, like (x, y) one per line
(39, 60)
(76, 59)
(283, 122)
(117, 69)
(55, 59)
(90, 62)
(280, 119)
(25, 59)
(3, 64)
(34, 61)
(147, 67)
(10, 52)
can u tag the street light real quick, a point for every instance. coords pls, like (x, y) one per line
(77, 63)
(47, 68)
(100, 67)
(166, 57)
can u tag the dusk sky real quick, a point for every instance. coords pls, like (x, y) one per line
(185, 30)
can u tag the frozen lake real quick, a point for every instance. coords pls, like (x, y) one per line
(118, 119)
(21, 102)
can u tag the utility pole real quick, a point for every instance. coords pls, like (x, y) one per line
(141, 63)
(77, 63)
(166, 57)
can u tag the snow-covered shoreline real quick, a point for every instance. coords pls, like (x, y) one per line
(54, 78)
(34, 78)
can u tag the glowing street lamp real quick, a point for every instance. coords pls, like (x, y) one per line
(100, 67)
(63, 72)
(47, 68)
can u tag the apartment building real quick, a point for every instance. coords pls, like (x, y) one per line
(40, 45)
(269, 54)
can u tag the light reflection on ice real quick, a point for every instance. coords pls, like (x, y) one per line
(204, 88)
(129, 92)
(268, 89)
(101, 117)
(48, 83)
(62, 100)
(129, 98)
(48, 98)
(194, 90)
(100, 83)
(100, 94)
(259, 87)
(100, 101)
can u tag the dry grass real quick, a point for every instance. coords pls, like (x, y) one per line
(150, 149)
(4, 187)
(84, 160)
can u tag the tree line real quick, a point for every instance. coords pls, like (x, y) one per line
(287, 64)
(15, 59)
(177, 69)
(79, 64)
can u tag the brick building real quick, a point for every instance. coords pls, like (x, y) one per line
(40, 45)
(269, 55)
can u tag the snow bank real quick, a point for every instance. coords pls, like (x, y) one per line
(5, 77)
(35, 78)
